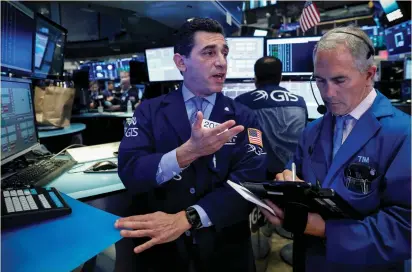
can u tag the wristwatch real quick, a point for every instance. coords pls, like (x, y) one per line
(193, 218)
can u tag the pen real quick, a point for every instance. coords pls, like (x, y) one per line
(293, 171)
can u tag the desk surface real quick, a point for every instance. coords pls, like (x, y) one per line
(77, 184)
(59, 244)
(104, 114)
(73, 128)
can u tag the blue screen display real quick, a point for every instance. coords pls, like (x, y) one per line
(17, 29)
(18, 131)
(389, 6)
(398, 38)
(49, 49)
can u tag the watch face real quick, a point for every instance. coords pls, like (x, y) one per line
(193, 217)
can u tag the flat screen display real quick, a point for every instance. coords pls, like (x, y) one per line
(160, 65)
(398, 38)
(17, 30)
(18, 132)
(243, 54)
(50, 40)
(295, 53)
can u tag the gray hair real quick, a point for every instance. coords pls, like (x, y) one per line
(356, 46)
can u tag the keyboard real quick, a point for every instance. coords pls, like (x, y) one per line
(26, 206)
(39, 174)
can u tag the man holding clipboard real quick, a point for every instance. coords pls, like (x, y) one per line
(361, 148)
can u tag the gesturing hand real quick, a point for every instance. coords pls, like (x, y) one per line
(204, 141)
(159, 226)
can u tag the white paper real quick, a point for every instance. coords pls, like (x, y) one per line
(249, 196)
(94, 152)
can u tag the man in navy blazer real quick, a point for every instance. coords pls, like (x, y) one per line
(177, 154)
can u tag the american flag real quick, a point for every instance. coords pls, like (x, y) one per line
(310, 16)
(255, 136)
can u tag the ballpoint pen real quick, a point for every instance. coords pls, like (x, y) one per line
(293, 171)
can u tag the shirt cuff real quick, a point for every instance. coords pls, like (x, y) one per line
(203, 216)
(168, 167)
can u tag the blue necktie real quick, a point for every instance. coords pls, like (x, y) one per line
(338, 135)
(197, 102)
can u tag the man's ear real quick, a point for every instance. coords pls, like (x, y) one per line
(179, 62)
(370, 74)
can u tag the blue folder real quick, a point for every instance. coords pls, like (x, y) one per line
(60, 244)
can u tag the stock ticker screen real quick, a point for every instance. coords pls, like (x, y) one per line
(295, 54)
(17, 117)
(17, 28)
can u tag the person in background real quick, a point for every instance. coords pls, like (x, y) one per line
(281, 114)
(177, 155)
(282, 117)
(109, 96)
(94, 95)
(128, 92)
(361, 148)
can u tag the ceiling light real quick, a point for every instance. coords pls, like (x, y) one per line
(190, 19)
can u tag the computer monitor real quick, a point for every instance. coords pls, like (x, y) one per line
(303, 89)
(233, 90)
(377, 36)
(17, 34)
(391, 71)
(50, 41)
(296, 54)
(243, 54)
(138, 72)
(160, 65)
(391, 9)
(18, 126)
(103, 70)
(398, 38)
(407, 69)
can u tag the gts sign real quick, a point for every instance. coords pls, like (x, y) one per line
(275, 95)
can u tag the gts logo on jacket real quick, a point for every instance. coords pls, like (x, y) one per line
(275, 95)
(270, 96)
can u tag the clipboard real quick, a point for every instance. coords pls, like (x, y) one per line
(324, 201)
(249, 196)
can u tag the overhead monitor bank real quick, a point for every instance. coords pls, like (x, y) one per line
(243, 53)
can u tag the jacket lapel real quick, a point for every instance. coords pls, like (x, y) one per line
(222, 111)
(365, 128)
(176, 114)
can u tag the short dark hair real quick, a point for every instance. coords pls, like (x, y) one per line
(268, 70)
(185, 36)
